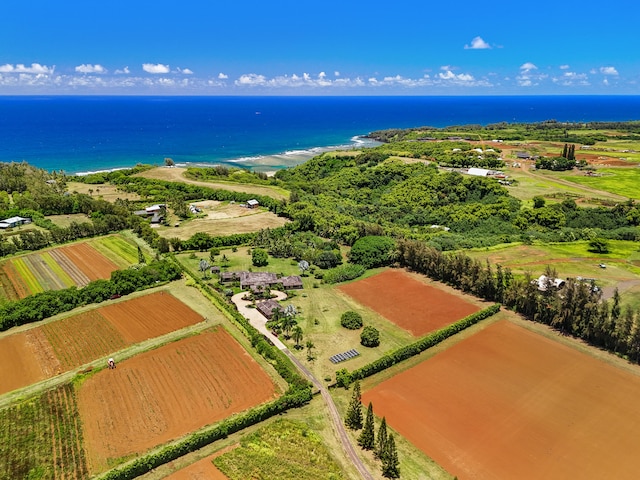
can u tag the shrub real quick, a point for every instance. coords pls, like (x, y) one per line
(370, 337)
(259, 257)
(372, 251)
(351, 320)
(345, 272)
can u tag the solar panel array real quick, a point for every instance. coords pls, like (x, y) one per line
(341, 357)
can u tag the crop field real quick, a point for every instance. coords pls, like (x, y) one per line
(41, 438)
(165, 393)
(62, 267)
(509, 403)
(200, 470)
(408, 302)
(62, 345)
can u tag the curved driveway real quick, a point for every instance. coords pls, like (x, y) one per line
(258, 321)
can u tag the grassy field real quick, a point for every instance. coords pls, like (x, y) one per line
(116, 248)
(64, 221)
(176, 175)
(223, 219)
(620, 181)
(275, 451)
(107, 192)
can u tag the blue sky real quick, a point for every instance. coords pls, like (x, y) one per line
(200, 47)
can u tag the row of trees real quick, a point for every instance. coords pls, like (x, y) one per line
(383, 444)
(577, 309)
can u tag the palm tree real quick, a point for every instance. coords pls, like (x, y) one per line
(310, 347)
(297, 334)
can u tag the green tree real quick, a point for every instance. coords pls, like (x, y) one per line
(370, 337)
(599, 245)
(381, 439)
(390, 461)
(259, 257)
(310, 347)
(353, 420)
(351, 320)
(367, 438)
(141, 258)
(372, 251)
(538, 201)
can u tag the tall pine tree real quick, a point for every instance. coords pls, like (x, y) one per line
(353, 419)
(381, 439)
(390, 462)
(367, 438)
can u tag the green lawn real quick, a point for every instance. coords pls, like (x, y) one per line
(621, 181)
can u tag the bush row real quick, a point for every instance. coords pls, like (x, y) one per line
(417, 347)
(342, 273)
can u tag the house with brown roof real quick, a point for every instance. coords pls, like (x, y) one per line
(292, 282)
(268, 308)
(248, 279)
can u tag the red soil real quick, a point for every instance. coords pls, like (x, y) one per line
(165, 393)
(83, 338)
(149, 316)
(201, 470)
(14, 288)
(409, 303)
(508, 403)
(19, 365)
(89, 261)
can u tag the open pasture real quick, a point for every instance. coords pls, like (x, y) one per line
(620, 181)
(408, 302)
(62, 267)
(166, 393)
(107, 192)
(509, 403)
(224, 220)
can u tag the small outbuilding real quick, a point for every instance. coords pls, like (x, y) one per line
(478, 172)
(253, 203)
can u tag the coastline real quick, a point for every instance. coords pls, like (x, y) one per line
(268, 163)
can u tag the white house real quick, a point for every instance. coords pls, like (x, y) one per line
(478, 172)
(14, 222)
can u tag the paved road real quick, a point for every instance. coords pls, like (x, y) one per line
(258, 321)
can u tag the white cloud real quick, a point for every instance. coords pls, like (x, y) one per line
(527, 67)
(88, 68)
(336, 74)
(605, 81)
(251, 79)
(35, 68)
(155, 68)
(185, 71)
(125, 71)
(564, 67)
(608, 70)
(477, 44)
(222, 76)
(322, 75)
(571, 79)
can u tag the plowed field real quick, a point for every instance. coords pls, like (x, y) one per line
(508, 403)
(409, 303)
(89, 261)
(149, 316)
(165, 393)
(59, 346)
(201, 470)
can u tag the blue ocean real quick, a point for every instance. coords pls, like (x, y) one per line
(81, 134)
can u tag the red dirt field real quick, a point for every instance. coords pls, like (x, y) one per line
(19, 366)
(409, 303)
(89, 261)
(165, 393)
(508, 403)
(201, 470)
(82, 338)
(149, 316)
(12, 284)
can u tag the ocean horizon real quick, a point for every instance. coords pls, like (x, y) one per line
(81, 134)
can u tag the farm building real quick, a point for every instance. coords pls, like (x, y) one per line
(14, 222)
(478, 172)
(291, 282)
(227, 277)
(545, 282)
(268, 308)
(253, 203)
(523, 155)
